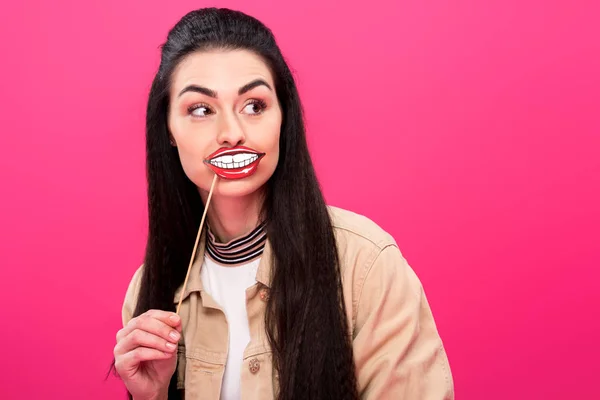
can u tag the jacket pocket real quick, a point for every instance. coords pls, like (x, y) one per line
(203, 375)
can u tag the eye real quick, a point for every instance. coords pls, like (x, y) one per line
(200, 110)
(255, 107)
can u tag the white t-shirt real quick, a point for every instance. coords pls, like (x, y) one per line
(227, 286)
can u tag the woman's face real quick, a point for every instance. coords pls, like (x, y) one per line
(223, 116)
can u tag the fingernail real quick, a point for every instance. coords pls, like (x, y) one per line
(170, 345)
(174, 318)
(174, 335)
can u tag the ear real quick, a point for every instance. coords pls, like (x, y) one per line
(171, 138)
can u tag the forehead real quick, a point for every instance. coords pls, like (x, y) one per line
(220, 70)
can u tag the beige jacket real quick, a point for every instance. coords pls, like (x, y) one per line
(397, 349)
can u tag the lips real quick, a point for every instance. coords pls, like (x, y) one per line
(234, 163)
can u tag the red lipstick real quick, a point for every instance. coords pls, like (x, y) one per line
(234, 162)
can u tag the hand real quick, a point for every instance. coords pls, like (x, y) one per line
(146, 353)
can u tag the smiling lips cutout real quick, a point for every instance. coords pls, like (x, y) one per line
(234, 163)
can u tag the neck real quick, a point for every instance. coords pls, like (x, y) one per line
(232, 217)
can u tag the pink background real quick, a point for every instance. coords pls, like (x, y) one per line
(470, 132)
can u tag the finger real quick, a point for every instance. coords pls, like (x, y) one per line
(168, 317)
(153, 322)
(130, 360)
(140, 338)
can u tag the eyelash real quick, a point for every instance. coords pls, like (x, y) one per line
(193, 108)
(261, 104)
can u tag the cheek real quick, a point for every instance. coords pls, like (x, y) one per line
(192, 149)
(192, 165)
(271, 144)
(272, 134)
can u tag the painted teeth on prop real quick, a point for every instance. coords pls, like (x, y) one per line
(234, 163)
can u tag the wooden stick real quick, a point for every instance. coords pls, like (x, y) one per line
(196, 244)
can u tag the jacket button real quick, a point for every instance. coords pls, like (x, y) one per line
(254, 365)
(264, 294)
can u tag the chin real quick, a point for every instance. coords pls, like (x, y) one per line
(236, 187)
(239, 188)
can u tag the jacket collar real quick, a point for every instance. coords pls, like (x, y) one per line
(263, 275)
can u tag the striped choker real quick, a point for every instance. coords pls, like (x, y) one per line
(238, 251)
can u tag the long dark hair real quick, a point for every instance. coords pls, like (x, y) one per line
(306, 317)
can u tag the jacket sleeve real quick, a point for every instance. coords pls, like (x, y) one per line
(398, 351)
(131, 296)
(128, 309)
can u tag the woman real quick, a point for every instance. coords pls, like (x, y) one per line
(287, 298)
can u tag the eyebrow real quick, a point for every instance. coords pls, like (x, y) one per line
(211, 93)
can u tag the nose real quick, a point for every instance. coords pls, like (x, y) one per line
(231, 132)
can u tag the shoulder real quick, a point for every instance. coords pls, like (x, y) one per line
(367, 253)
(358, 229)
